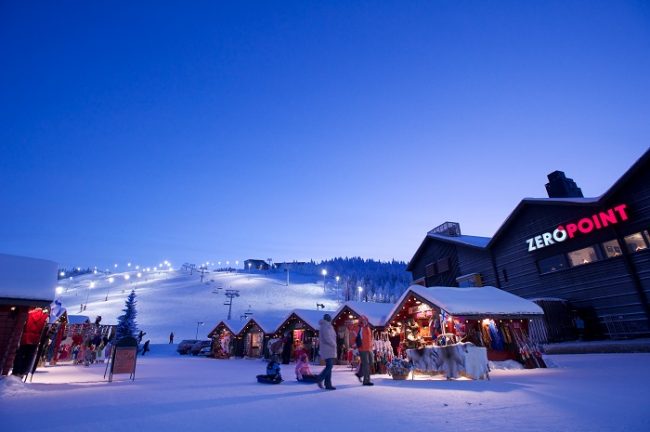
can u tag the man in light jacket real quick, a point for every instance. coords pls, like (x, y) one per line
(327, 341)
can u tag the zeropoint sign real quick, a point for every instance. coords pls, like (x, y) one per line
(584, 226)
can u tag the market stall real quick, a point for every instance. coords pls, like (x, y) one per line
(225, 340)
(488, 318)
(27, 287)
(346, 324)
(299, 333)
(255, 335)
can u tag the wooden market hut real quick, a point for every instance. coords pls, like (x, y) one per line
(27, 288)
(346, 324)
(300, 328)
(225, 340)
(485, 316)
(255, 335)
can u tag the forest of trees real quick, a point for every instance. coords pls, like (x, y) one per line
(379, 281)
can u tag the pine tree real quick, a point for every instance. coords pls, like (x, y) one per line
(126, 325)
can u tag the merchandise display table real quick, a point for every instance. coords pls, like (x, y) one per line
(454, 360)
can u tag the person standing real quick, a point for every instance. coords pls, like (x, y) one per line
(145, 348)
(327, 351)
(171, 337)
(365, 350)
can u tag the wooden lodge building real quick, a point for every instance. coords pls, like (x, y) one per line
(590, 253)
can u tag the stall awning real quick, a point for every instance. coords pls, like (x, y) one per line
(486, 301)
(377, 313)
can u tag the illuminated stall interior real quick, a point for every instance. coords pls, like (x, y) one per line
(346, 325)
(255, 335)
(495, 320)
(301, 329)
(226, 341)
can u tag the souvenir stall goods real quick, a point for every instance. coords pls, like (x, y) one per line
(346, 324)
(76, 338)
(453, 360)
(299, 333)
(399, 369)
(225, 339)
(481, 323)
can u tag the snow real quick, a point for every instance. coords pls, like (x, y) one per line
(310, 317)
(268, 325)
(234, 326)
(27, 278)
(178, 301)
(591, 392)
(485, 301)
(377, 313)
(475, 241)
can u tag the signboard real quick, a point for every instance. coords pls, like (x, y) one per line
(123, 358)
(585, 225)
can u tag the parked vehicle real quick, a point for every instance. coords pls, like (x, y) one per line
(185, 346)
(198, 346)
(206, 351)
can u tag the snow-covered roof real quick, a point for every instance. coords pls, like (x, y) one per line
(377, 313)
(78, 319)
(27, 278)
(309, 316)
(576, 200)
(482, 301)
(267, 324)
(465, 240)
(235, 326)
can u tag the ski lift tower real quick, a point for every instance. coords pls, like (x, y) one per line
(230, 293)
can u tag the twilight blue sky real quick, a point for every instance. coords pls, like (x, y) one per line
(304, 130)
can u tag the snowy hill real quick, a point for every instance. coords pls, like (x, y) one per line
(176, 301)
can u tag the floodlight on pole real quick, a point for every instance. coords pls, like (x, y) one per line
(108, 288)
(198, 323)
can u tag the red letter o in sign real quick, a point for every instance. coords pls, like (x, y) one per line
(585, 225)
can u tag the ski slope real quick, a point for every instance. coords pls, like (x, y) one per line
(174, 300)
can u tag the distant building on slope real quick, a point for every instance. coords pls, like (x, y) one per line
(256, 264)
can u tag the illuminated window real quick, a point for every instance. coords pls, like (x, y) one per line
(552, 264)
(612, 248)
(635, 243)
(582, 256)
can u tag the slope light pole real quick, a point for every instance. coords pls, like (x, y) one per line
(230, 293)
(324, 273)
(198, 323)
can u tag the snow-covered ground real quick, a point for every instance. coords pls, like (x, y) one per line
(588, 392)
(176, 301)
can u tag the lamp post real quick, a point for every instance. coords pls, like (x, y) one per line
(360, 291)
(91, 285)
(338, 289)
(108, 288)
(324, 273)
(198, 323)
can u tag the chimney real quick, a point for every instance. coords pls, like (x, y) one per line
(559, 186)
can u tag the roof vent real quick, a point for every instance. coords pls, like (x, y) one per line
(451, 229)
(559, 186)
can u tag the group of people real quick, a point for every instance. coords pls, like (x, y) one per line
(328, 353)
